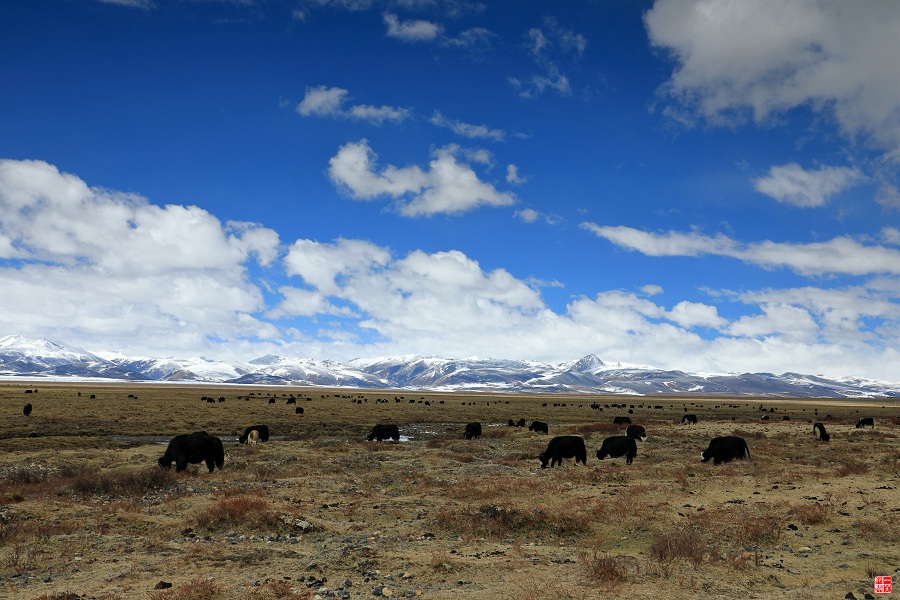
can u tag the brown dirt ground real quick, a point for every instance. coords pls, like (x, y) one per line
(86, 513)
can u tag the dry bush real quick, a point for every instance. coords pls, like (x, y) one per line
(30, 475)
(886, 530)
(196, 589)
(442, 560)
(503, 487)
(492, 521)
(812, 514)
(757, 530)
(125, 483)
(685, 544)
(852, 467)
(604, 568)
(240, 511)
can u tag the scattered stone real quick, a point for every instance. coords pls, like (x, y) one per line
(793, 572)
(162, 585)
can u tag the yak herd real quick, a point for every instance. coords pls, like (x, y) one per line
(200, 447)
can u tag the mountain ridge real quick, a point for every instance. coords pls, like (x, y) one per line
(27, 358)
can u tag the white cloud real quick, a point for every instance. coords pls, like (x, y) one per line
(446, 300)
(672, 243)
(448, 186)
(467, 130)
(84, 264)
(791, 184)
(790, 323)
(86, 259)
(841, 255)
(325, 101)
(513, 177)
(529, 215)
(762, 59)
(695, 314)
(891, 235)
(322, 101)
(411, 31)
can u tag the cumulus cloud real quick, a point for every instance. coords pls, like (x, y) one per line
(74, 257)
(325, 101)
(841, 255)
(420, 301)
(791, 184)
(86, 264)
(758, 60)
(448, 186)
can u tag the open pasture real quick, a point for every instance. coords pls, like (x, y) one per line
(317, 510)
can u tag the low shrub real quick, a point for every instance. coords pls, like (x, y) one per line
(251, 512)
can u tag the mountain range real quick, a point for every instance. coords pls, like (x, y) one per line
(28, 358)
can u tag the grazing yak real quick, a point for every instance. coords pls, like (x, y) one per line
(724, 449)
(193, 448)
(617, 446)
(866, 422)
(820, 433)
(690, 419)
(262, 430)
(621, 420)
(636, 432)
(564, 446)
(539, 427)
(385, 432)
(473, 431)
(26, 410)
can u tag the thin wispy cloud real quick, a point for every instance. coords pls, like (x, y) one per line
(466, 129)
(840, 255)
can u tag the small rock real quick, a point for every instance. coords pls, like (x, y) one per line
(162, 585)
(804, 549)
(849, 596)
(793, 572)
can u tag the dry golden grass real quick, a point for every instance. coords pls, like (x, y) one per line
(85, 511)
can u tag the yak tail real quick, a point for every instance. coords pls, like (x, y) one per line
(746, 453)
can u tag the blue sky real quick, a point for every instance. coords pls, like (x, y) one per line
(708, 186)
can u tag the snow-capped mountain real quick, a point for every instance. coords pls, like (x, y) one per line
(21, 357)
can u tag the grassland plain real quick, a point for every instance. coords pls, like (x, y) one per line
(317, 511)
